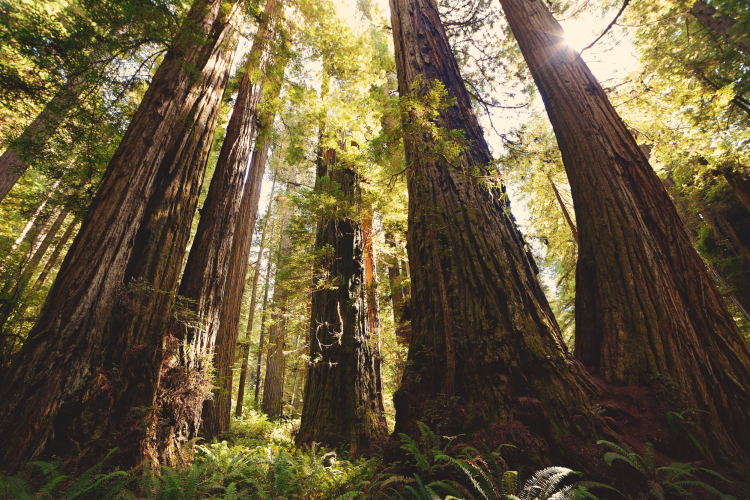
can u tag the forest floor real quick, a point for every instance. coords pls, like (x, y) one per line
(258, 459)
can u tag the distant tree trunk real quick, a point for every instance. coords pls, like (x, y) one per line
(373, 306)
(403, 328)
(245, 350)
(341, 404)
(52, 261)
(205, 276)
(564, 209)
(27, 147)
(66, 376)
(273, 391)
(740, 184)
(264, 311)
(485, 344)
(720, 23)
(645, 304)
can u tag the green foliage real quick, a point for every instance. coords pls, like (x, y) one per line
(676, 478)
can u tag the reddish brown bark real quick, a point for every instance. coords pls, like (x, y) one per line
(645, 304)
(341, 404)
(64, 376)
(373, 305)
(482, 329)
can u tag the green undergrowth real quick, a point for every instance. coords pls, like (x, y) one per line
(257, 459)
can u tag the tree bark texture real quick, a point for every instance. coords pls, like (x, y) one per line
(217, 411)
(27, 147)
(273, 387)
(484, 339)
(340, 403)
(720, 23)
(245, 350)
(207, 269)
(645, 304)
(65, 378)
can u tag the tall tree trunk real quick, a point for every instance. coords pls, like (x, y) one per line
(205, 276)
(216, 412)
(273, 391)
(485, 346)
(341, 404)
(403, 327)
(645, 304)
(373, 306)
(564, 209)
(65, 377)
(245, 350)
(720, 23)
(52, 261)
(264, 310)
(27, 147)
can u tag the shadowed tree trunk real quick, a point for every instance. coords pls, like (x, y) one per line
(485, 347)
(740, 185)
(207, 269)
(245, 350)
(340, 403)
(645, 304)
(273, 388)
(64, 378)
(264, 311)
(720, 23)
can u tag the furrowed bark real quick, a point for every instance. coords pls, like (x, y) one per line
(341, 405)
(645, 304)
(216, 412)
(205, 276)
(473, 283)
(245, 350)
(64, 376)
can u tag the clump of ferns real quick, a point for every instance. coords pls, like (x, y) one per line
(488, 475)
(677, 478)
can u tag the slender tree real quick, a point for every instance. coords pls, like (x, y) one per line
(264, 310)
(244, 354)
(722, 24)
(645, 304)
(54, 382)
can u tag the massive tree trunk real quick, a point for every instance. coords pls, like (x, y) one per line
(95, 383)
(720, 23)
(273, 391)
(645, 304)
(204, 278)
(341, 405)
(485, 347)
(245, 350)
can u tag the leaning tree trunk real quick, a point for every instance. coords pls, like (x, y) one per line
(27, 147)
(341, 404)
(645, 305)
(740, 184)
(74, 370)
(55, 256)
(485, 346)
(204, 278)
(720, 23)
(274, 382)
(217, 412)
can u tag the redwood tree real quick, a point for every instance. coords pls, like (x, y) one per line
(75, 370)
(645, 304)
(341, 404)
(485, 346)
